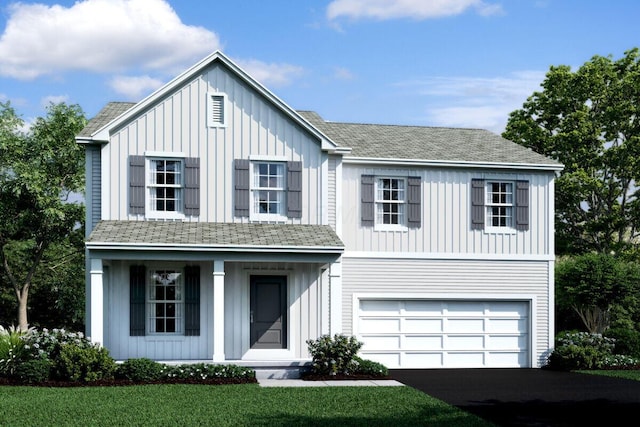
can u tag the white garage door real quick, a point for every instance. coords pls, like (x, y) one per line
(444, 334)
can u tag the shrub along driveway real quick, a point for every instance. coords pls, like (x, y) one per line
(531, 397)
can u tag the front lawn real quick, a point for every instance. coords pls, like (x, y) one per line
(630, 374)
(226, 405)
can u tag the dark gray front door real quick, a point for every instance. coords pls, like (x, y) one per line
(268, 316)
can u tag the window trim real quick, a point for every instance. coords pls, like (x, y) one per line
(211, 97)
(402, 225)
(150, 211)
(151, 303)
(281, 216)
(488, 205)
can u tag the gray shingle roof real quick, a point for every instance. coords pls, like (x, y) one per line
(215, 234)
(104, 116)
(425, 143)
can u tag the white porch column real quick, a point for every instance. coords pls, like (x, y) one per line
(96, 331)
(335, 283)
(218, 311)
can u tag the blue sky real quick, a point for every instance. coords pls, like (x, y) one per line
(459, 63)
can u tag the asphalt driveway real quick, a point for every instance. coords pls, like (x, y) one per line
(531, 397)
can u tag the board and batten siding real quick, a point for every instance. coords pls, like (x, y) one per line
(458, 279)
(178, 124)
(446, 222)
(122, 346)
(304, 296)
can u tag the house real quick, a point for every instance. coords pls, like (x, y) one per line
(223, 225)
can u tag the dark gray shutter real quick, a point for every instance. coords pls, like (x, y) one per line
(367, 198)
(522, 205)
(192, 300)
(136, 184)
(192, 186)
(414, 199)
(94, 187)
(294, 189)
(241, 194)
(477, 204)
(137, 300)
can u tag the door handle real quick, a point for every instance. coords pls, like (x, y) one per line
(251, 316)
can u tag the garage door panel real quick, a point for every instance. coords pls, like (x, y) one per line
(464, 342)
(464, 359)
(444, 333)
(465, 308)
(513, 342)
(390, 325)
(507, 325)
(423, 342)
(420, 360)
(423, 325)
(423, 308)
(380, 307)
(390, 342)
(464, 325)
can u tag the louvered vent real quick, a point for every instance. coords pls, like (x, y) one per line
(216, 110)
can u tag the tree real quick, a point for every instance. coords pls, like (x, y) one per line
(592, 284)
(589, 120)
(40, 171)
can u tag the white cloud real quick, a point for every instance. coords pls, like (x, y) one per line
(53, 99)
(413, 9)
(134, 88)
(270, 74)
(475, 102)
(99, 36)
(343, 74)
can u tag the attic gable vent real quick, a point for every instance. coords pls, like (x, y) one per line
(216, 114)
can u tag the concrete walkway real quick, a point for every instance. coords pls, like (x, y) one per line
(337, 383)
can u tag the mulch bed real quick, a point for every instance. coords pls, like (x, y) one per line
(317, 377)
(122, 382)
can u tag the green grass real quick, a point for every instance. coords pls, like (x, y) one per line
(628, 374)
(226, 405)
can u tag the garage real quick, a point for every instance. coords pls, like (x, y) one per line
(421, 333)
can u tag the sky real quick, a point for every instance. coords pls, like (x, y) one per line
(452, 63)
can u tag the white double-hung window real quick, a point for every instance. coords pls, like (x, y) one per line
(499, 204)
(390, 202)
(166, 193)
(268, 191)
(165, 301)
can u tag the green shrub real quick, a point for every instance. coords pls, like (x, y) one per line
(334, 356)
(369, 367)
(84, 363)
(627, 341)
(581, 350)
(33, 370)
(206, 371)
(142, 369)
(12, 349)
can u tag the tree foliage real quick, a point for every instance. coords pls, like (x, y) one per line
(592, 284)
(589, 120)
(40, 171)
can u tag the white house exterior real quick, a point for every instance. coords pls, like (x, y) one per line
(223, 225)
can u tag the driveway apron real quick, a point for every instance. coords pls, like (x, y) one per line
(531, 397)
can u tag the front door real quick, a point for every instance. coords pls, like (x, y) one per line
(268, 315)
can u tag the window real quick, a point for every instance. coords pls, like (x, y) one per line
(390, 201)
(165, 186)
(499, 204)
(268, 190)
(216, 110)
(165, 302)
